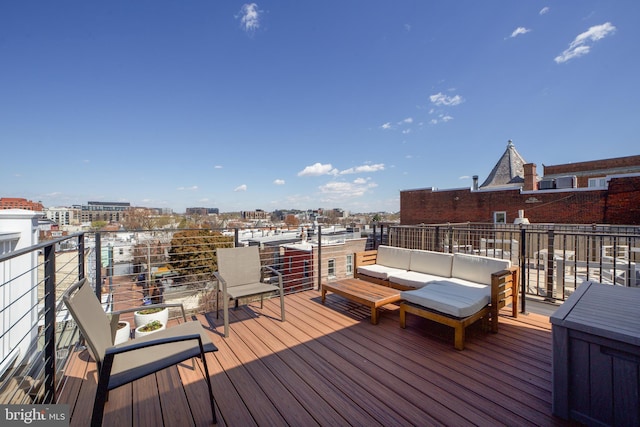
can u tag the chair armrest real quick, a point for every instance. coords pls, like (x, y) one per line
(273, 270)
(220, 281)
(133, 345)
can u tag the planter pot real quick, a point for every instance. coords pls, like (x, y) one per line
(123, 334)
(140, 333)
(142, 319)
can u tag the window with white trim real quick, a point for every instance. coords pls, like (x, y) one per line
(331, 268)
(500, 217)
(349, 265)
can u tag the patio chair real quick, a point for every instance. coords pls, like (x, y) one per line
(124, 363)
(240, 274)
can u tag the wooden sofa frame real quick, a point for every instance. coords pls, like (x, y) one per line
(504, 291)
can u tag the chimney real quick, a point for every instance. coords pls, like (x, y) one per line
(530, 177)
(475, 182)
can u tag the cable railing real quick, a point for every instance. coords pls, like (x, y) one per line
(131, 269)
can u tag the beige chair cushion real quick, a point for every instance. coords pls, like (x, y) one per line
(394, 257)
(477, 268)
(456, 298)
(433, 263)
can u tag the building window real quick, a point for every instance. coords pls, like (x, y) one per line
(597, 183)
(500, 217)
(331, 268)
(349, 265)
(305, 267)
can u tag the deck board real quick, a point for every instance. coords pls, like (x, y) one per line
(328, 365)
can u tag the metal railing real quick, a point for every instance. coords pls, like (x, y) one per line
(607, 254)
(130, 269)
(33, 345)
(127, 268)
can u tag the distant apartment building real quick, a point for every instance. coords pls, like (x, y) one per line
(594, 192)
(19, 203)
(103, 211)
(202, 211)
(63, 215)
(257, 214)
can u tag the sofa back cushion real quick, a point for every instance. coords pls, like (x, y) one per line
(429, 262)
(477, 268)
(394, 257)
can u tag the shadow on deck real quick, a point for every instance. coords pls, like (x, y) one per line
(328, 365)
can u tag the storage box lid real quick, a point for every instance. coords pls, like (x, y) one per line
(605, 310)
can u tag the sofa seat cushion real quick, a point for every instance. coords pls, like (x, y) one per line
(450, 297)
(378, 271)
(393, 257)
(477, 268)
(413, 279)
(433, 263)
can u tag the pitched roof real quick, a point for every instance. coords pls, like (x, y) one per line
(508, 170)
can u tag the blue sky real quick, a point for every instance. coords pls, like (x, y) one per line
(305, 104)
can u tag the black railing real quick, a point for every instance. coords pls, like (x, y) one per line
(608, 254)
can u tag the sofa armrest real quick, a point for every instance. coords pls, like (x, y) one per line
(365, 258)
(504, 291)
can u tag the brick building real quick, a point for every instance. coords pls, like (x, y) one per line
(19, 203)
(594, 192)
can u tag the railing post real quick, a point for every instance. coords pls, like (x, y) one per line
(81, 268)
(98, 250)
(550, 267)
(375, 236)
(50, 324)
(236, 237)
(523, 272)
(320, 257)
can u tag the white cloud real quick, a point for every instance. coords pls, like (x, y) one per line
(317, 169)
(250, 17)
(544, 10)
(408, 120)
(192, 188)
(407, 27)
(446, 118)
(242, 187)
(364, 169)
(406, 131)
(441, 99)
(279, 182)
(386, 126)
(217, 167)
(519, 31)
(580, 45)
(347, 190)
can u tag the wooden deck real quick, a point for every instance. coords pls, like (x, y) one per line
(328, 365)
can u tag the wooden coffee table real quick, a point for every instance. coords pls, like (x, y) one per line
(363, 292)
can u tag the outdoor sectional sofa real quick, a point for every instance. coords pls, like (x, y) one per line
(452, 289)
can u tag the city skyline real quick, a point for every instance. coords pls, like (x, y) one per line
(277, 105)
